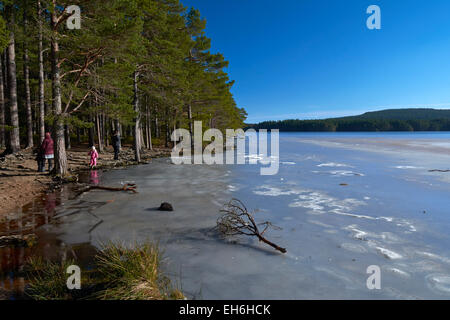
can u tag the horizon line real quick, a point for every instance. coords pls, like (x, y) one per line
(332, 114)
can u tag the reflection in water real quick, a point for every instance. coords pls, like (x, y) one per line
(25, 222)
(93, 178)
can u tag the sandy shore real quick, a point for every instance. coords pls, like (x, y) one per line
(20, 182)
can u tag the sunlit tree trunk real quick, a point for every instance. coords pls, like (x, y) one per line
(149, 129)
(60, 150)
(14, 137)
(137, 134)
(26, 72)
(2, 108)
(41, 77)
(99, 134)
(67, 137)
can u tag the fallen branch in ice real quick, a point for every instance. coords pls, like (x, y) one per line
(129, 187)
(236, 220)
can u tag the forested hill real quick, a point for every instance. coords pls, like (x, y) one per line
(385, 120)
(404, 114)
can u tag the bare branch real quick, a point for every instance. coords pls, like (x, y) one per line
(236, 220)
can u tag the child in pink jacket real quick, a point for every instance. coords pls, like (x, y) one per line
(94, 156)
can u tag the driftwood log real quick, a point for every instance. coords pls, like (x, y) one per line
(129, 187)
(236, 220)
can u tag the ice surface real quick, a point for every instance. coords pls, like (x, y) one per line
(396, 219)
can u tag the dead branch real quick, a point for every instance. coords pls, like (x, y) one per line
(236, 220)
(129, 187)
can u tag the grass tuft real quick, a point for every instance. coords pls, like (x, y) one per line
(120, 273)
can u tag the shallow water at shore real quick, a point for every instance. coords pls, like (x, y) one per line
(342, 203)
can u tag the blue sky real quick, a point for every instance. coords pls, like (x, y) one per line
(317, 59)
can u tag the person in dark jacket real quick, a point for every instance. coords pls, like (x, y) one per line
(116, 144)
(47, 150)
(40, 159)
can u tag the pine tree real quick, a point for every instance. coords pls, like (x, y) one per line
(13, 134)
(141, 66)
(26, 72)
(41, 72)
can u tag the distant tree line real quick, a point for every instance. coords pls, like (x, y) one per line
(143, 67)
(346, 125)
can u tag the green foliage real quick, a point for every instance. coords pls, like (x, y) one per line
(133, 274)
(3, 34)
(48, 280)
(161, 40)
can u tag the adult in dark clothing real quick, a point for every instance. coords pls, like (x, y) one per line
(47, 150)
(116, 144)
(40, 159)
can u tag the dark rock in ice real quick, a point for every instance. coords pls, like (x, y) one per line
(165, 207)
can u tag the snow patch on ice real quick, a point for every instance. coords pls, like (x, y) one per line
(388, 253)
(333, 164)
(439, 283)
(276, 192)
(340, 173)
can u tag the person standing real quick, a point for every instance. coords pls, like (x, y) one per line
(116, 144)
(94, 156)
(48, 151)
(40, 159)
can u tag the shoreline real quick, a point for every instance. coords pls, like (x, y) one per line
(20, 183)
(25, 186)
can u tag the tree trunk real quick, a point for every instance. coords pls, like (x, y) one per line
(91, 132)
(149, 129)
(78, 136)
(2, 109)
(137, 134)
(14, 134)
(142, 140)
(5, 71)
(6, 94)
(157, 132)
(60, 154)
(167, 130)
(145, 127)
(190, 124)
(106, 130)
(99, 134)
(119, 129)
(26, 72)
(41, 77)
(67, 136)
